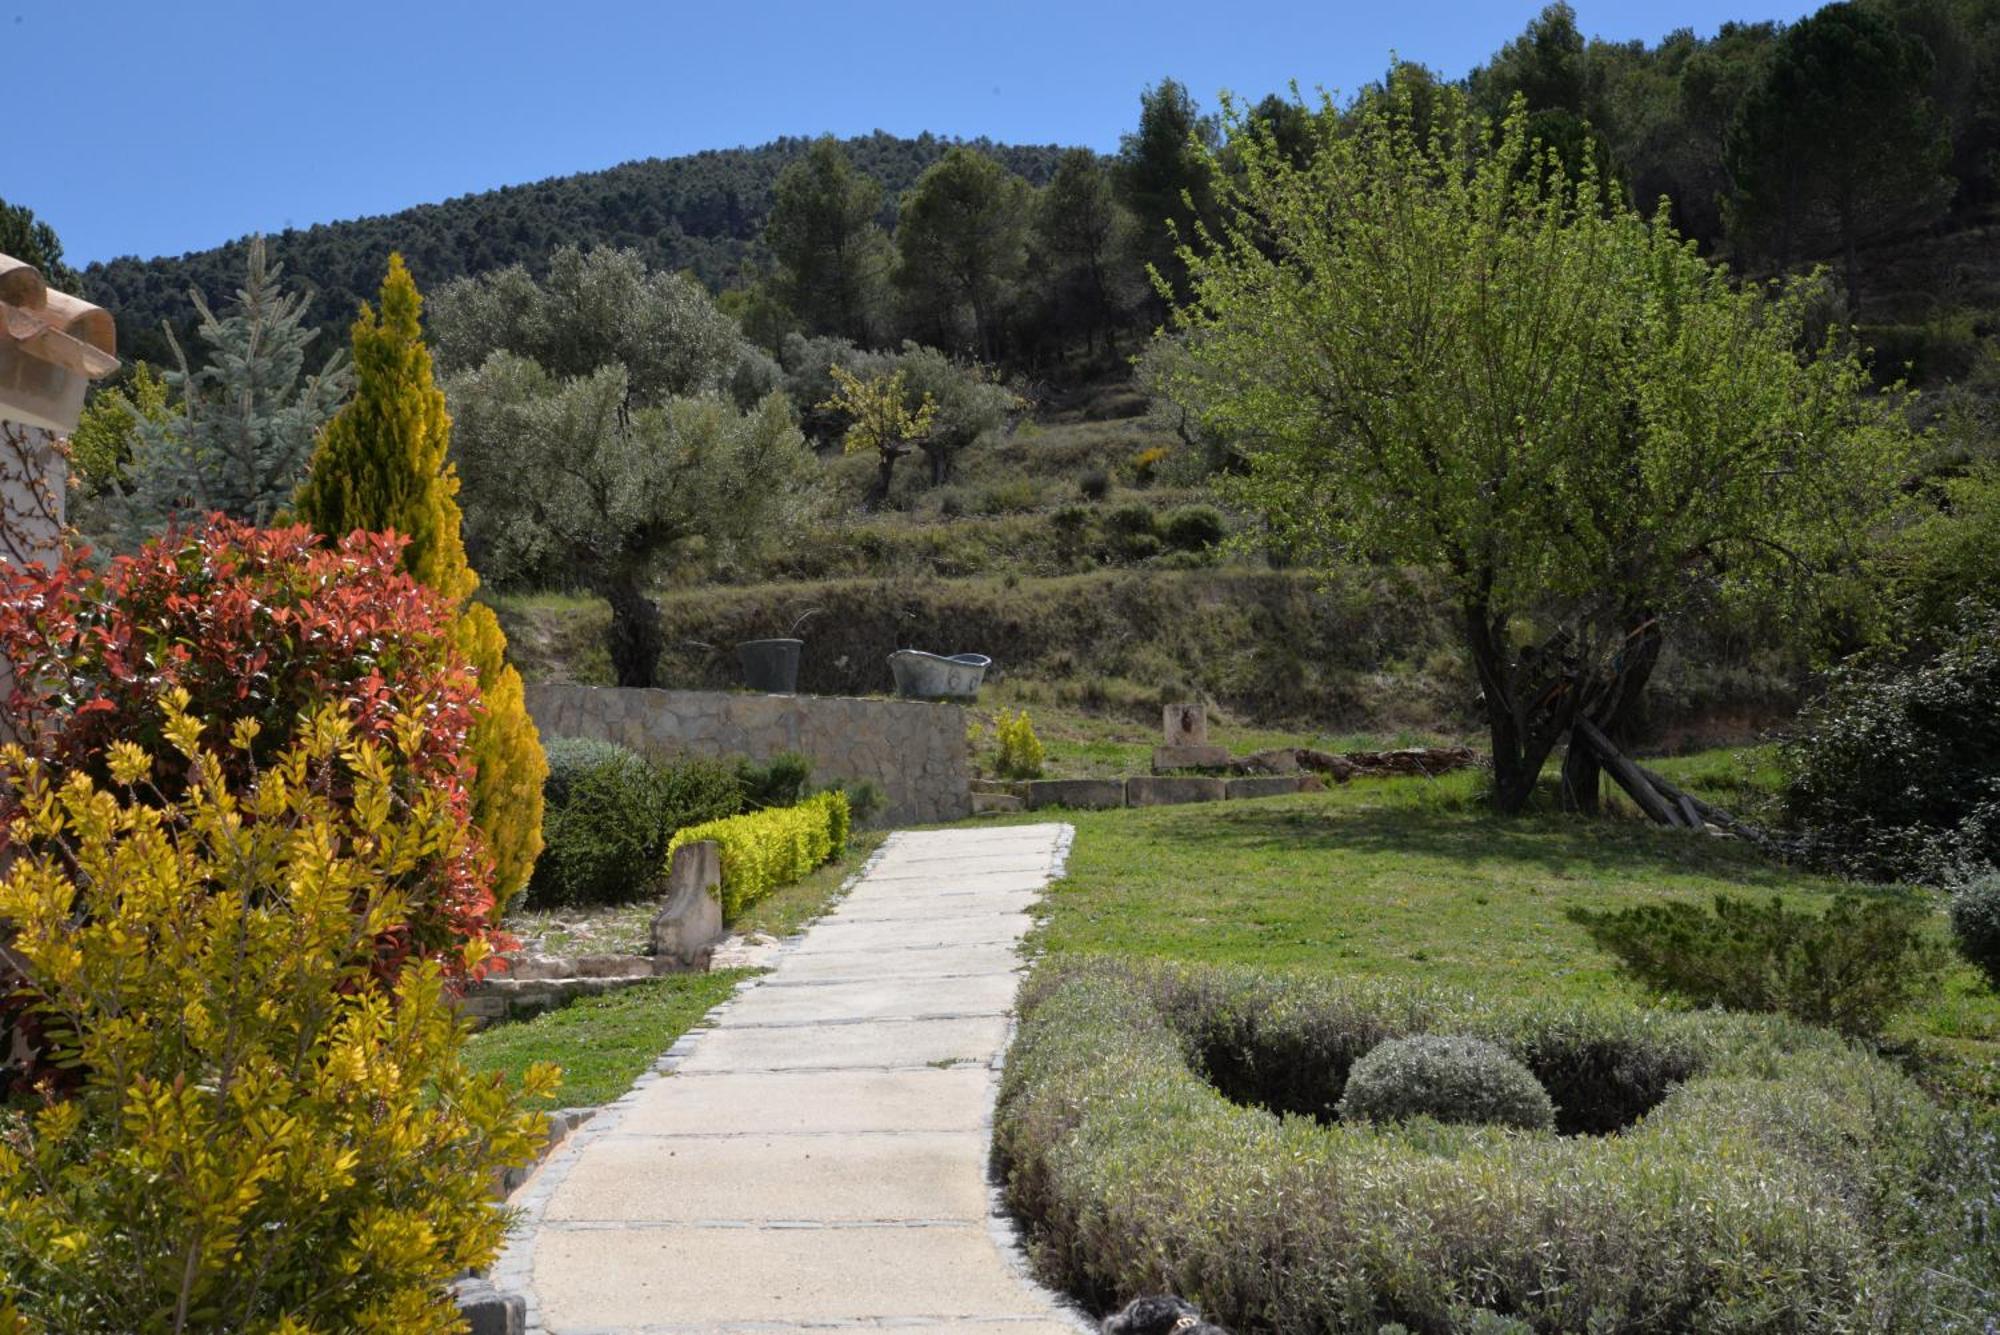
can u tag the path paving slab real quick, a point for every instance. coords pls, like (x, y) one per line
(881, 936)
(885, 1044)
(847, 1177)
(752, 1102)
(817, 1158)
(877, 999)
(849, 966)
(620, 1278)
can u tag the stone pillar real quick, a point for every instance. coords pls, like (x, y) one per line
(689, 922)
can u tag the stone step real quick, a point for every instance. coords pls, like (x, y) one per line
(985, 802)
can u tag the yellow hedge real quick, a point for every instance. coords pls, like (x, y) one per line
(766, 849)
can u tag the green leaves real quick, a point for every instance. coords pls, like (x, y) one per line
(1439, 346)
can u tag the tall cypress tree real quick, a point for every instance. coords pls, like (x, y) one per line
(383, 463)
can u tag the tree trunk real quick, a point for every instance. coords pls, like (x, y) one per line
(1581, 780)
(1611, 704)
(636, 638)
(940, 459)
(878, 490)
(1525, 716)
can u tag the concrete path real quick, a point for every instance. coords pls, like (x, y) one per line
(818, 1158)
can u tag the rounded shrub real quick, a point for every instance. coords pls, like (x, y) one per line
(1975, 924)
(1130, 520)
(608, 815)
(1449, 1077)
(1194, 528)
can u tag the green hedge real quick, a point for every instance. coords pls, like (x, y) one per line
(1758, 1174)
(766, 849)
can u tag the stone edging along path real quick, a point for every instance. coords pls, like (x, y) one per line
(817, 1157)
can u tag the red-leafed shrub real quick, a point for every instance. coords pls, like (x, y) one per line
(259, 627)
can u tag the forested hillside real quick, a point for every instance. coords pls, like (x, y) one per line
(703, 213)
(1864, 137)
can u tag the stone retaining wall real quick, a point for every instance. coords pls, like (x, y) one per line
(914, 751)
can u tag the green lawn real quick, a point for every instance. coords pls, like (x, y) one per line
(603, 1043)
(1413, 879)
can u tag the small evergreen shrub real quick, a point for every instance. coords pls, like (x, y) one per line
(1019, 753)
(780, 781)
(762, 850)
(1850, 968)
(1094, 485)
(1130, 521)
(608, 817)
(508, 767)
(1975, 925)
(1894, 773)
(1448, 1077)
(1194, 528)
(244, 1123)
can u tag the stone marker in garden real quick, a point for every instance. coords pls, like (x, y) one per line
(1186, 724)
(1186, 745)
(689, 922)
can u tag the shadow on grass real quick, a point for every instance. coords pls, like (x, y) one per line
(1396, 818)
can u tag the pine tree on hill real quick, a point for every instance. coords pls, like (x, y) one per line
(383, 463)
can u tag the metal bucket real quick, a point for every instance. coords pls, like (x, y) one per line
(770, 666)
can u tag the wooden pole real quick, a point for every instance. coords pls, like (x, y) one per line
(1630, 777)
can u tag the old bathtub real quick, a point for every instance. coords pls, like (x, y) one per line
(923, 676)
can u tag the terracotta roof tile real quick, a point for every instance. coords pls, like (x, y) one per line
(53, 326)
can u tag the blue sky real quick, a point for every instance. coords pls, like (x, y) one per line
(165, 127)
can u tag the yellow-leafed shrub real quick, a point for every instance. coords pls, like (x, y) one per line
(1020, 751)
(509, 766)
(767, 849)
(248, 1127)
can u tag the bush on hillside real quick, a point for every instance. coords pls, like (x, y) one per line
(1850, 968)
(609, 815)
(1975, 925)
(762, 850)
(244, 1124)
(1194, 528)
(1894, 774)
(1782, 1172)
(1094, 485)
(1447, 1077)
(261, 628)
(1130, 520)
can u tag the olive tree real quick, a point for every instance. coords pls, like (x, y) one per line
(594, 439)
(1444, 351)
